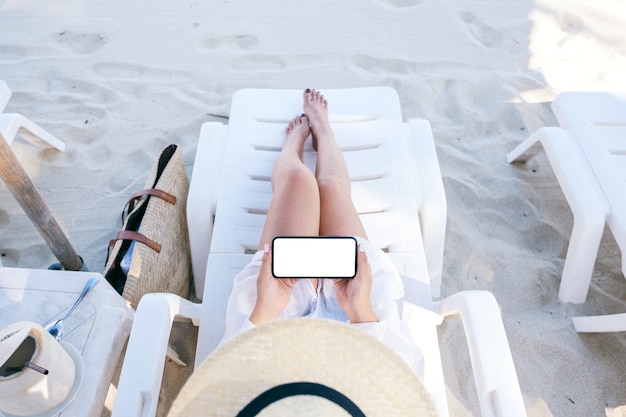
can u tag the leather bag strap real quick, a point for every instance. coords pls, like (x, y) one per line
(138, 237)
(130, 205)
(155, 192)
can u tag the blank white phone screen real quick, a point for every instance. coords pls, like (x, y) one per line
(314, 257)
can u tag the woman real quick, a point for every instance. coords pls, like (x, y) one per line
(319, 204)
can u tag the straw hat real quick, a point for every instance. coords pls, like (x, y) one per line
(302, 367)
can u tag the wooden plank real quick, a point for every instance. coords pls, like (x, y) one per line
(30, 200)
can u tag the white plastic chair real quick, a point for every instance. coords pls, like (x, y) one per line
(13, 124)
(398, 191)
(588, 156)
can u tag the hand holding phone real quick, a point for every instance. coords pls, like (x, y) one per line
(272, 294)
(354, 295)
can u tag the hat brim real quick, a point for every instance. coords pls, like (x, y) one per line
(316, 351)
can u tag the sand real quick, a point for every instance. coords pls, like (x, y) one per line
(119, 80)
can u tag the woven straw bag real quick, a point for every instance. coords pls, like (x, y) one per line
(151, 253)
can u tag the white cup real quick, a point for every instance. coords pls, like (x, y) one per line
(25, 391)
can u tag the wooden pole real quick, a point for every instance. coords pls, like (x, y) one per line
(35, 208)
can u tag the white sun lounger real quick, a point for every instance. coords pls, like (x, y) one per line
(398, 192)
(13, 124)
(366, 132)
(588, 156)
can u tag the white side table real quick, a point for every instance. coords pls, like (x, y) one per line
(98, 328)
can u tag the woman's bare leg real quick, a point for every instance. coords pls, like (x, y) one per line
(295, 206)
(338, 217)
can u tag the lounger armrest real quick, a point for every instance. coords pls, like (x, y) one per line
(494, 373)
(142, 371)
(433, 208)
(202, 198)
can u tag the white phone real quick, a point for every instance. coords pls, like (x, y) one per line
(314, 257)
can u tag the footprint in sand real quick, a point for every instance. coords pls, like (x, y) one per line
(244, 42)
(258, 63)
(401, 4)
(481, 32)
(82, 43)
(382, 66)
(571, 24)
(11, 53)
(127, 70)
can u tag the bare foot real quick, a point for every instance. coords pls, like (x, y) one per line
(315, 107)
(296, 133)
